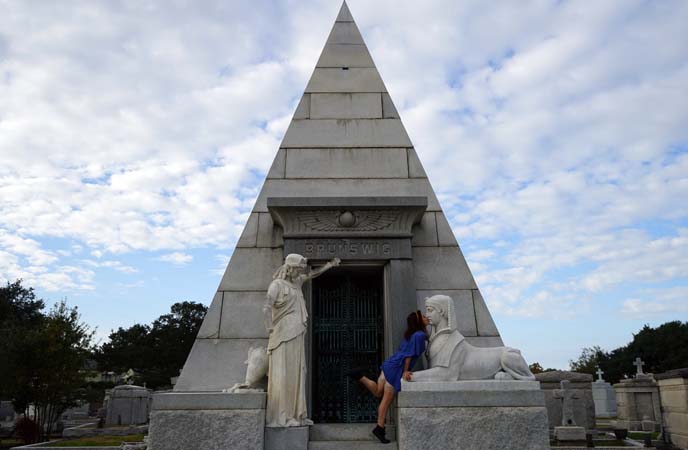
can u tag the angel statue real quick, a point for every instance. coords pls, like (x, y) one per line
(286, 316)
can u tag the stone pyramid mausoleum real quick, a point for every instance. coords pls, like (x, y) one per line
(345, 151)
(347, 184)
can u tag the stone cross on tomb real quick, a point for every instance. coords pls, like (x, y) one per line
(567, 395)
(599, 374)
(638, 363)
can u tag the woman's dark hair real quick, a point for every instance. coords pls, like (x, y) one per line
(414, 322)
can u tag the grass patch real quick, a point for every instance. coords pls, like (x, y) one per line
(639, 436)
(98, 441)
(6, 444)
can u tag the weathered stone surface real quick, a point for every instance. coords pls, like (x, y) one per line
(346, 106)
(389, 111)
(416, 169)
(303, 110)
(569, 434)
(636, 399)
(446, 399)
(215, 364)
(345, 55)
(486, 326)
(673, 392)
(250, 269)
(425, 233)
(207, 430)
(473, 428)
(128, 405)
(363, 187)
(290, 438)
(557, 376)
(463, 306)
(347, 432)
(455, 273)
(352, 80)
(208, 401)
(344, 14)
(350, 248)
(278, 165)
(604, 397)
(445, 235)
(242, 315)
(269, 235)
(580, 384)
(250, 233)
(210, 327)
(347, 133)
(401, 290)
(346, 163)
(345, 33)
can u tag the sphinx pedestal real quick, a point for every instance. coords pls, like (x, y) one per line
(472, 415)
(207, 421)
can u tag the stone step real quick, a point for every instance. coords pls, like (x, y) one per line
(347, 432)
(351, 445)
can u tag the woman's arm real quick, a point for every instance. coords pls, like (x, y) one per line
(408, 375)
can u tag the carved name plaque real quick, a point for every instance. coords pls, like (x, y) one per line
(359, 249)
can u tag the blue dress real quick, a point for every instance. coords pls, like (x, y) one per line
(393, 368)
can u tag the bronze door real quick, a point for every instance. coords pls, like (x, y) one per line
(347, 333)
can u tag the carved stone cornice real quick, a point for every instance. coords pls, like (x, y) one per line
(374, 217)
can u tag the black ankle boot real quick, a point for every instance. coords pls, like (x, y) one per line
(379, 433)
(355, 373)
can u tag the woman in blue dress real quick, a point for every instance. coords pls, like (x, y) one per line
(395, 368)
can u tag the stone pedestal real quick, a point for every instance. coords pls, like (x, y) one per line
(673, 392)
(637, 399)
(207, 421)
(569, 434)
(604, 397)
(583, 406)
(290, 438)
(472, 415)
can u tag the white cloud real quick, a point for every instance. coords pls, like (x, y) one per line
(176, 258)
(657, 302)
(553, 132)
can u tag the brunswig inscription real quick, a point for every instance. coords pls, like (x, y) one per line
(350, 248)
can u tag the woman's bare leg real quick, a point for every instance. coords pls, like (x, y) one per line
(387, 398)
(373, 387)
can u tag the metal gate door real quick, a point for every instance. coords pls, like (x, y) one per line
(347, 333)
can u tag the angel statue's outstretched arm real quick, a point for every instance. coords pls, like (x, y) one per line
(334, 262)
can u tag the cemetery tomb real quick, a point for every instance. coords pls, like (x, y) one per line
(347, 184)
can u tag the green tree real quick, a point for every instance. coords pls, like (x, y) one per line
(662, 348)
(537, 368)
(158, 351)
(43, 355)
(589, 360)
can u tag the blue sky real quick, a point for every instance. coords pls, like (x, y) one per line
(134, 138)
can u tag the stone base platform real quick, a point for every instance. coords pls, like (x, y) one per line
(472, 415)
(569, 434)
(207, 421)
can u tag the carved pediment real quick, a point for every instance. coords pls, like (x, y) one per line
(346, 216)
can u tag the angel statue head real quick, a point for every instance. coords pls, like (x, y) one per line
(294, 265)
(440, 311)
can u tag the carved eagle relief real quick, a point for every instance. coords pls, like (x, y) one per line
(331, 221)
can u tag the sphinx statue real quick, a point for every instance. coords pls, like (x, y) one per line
(452, 358)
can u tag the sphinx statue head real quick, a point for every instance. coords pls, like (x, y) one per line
(440, 311)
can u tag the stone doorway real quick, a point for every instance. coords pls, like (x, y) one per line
(348, 331)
